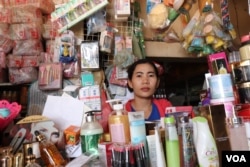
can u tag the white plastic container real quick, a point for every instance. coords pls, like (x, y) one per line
(204, 143)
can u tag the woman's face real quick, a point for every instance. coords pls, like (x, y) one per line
(144, 81)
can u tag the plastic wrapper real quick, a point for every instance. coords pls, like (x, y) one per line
(23, 75)
(71, 70)
(26, 14)
(50, 28)
(46, 6)
(50, 46)
(5, 14)
(29, 47)
(4, 30)
(14, 108)
(6, 44)
(2, 60)
(26, 31)
(96, 22)
(23, 61)
(90, 55)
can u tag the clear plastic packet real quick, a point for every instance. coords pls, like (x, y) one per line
(30, 47)
(96, 22)
(23, 75)
(6, 44)
(89, 55)
(50, 76)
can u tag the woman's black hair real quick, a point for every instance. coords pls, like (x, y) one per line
(132, 67)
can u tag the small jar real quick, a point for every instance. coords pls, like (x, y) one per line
(245, 47)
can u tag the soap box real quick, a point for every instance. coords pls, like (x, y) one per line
(72, 135)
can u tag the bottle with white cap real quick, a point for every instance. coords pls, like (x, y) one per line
(119, 123)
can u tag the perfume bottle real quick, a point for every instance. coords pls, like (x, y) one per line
(49, 152)
(30, 159)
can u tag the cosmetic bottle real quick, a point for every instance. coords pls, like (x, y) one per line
(187, 150)
(119, 124)
(204, 143)
(91, 133)
(30, 159)
(172, 143)
(49, 152)
(6, 157)
(236, 131)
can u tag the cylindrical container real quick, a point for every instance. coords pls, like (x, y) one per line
(244, 92)
(221, 86)
(91, 132)
(187, 150)
(172, 143)
(204, 143)
(245, 48)
(18, 160)
(35, 147)
(237, 134)
(119, 125)
(234, 61)
(6, 157)
(245, 70)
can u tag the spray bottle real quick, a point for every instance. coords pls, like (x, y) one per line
(119, 123)
(91, 132)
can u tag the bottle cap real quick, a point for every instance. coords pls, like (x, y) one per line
(170, 120)
(39, 136)
(91, 116)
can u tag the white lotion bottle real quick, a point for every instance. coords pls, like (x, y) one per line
(204, 143)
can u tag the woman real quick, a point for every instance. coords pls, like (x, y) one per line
(143, 80)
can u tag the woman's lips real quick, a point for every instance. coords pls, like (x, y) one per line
(145, 89)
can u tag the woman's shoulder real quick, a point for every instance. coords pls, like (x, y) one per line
(162, 102)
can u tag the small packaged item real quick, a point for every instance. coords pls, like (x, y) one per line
(67, 47)
(72, 135)
(91, 96)
(106, 39)
(50, 76)
(22, 75)
(89, 55)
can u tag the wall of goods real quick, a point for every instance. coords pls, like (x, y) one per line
(63, 82)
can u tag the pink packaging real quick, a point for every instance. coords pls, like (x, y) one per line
(50, 45)
(216, 61)
(26, 14)
(30, 47)
(5, 15)
(23, 61)
(23, 75)
(2, 60)
(4, 30)
(6, 44)
(46, 6)
(26, 31)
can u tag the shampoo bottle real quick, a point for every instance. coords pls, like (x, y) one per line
(204, 143)
(91, 132)
(172, 143)
(119, 124)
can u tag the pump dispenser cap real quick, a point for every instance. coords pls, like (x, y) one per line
(91, 116)
(170, 120)
(118, 104)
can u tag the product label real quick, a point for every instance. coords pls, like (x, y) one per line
(188, 146)
(137, 131)
(90, 142)
(117, 133)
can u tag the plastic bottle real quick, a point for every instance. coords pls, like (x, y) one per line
(172, 143)
(91, 133)
(188, 155)
(119, 124)
(49, 152)
(204, 143)
(237, 133)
